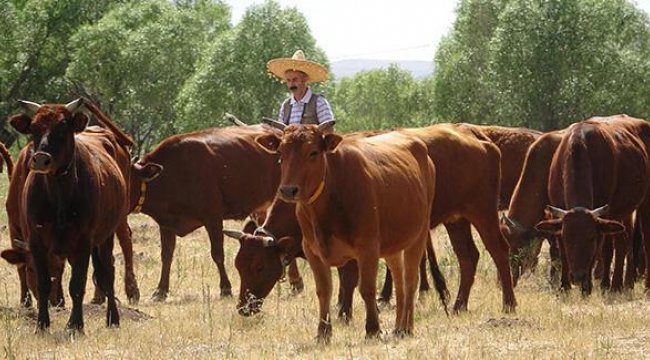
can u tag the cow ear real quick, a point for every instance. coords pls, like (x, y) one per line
(79, 122)
(552, 227)
(14, 256)
(148, 171)
(610, 227)
(289, 245)
(331, 141)
(269, 142)
(21, 123)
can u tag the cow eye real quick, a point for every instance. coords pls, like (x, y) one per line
(313, 154)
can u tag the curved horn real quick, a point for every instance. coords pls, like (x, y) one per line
(235, 234)
(75, 105)
(233, 119)
(21, 244)
(555, 211)
(327, 125)
(603, 210)
(30, 107)
(513, 225)
(268, 241)
(274, 123)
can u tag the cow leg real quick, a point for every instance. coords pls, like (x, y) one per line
(323, 280)
(77, 289)
(424, 280)
(396, 265)
(604, 263)
(461, 240)
(125, 236)
(56, 293)
(25, 297)
(348, 280)
(556, 262)
(386, 290)
(644, 214)
(438, 279)
(167, 246)
(620, 252)
(103, 263)
(487, 226)
(295, 280)
(40, 259)
(368, 264)
(411, 255)
(628, 238)
(215, 232)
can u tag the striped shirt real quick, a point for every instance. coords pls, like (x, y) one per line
(323, 109)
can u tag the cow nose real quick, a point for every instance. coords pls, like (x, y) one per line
(288, 192)
(41, 161)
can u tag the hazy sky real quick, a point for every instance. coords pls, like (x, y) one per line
(375, 29)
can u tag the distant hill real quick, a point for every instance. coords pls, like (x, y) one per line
(343, 68)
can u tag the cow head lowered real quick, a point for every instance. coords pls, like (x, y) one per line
(581, 231)
(525, 246)
(260, 261)
(52, 128)
(302, 151)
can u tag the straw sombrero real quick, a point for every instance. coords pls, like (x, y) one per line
(297, 62)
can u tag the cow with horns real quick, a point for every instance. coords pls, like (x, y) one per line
(599, 175)
(74, 198)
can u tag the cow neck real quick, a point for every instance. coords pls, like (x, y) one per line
(143, 192)
(61, 185)
(320, 188)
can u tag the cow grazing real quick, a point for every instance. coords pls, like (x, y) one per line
(200, 179)
(358, 198)
(599, 175)
(19, 254)
(527, 206)
(74, 197)
(266, 251)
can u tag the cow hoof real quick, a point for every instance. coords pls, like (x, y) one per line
(297, 287)
(133, 295)
(402, 333)
(226, 292)
(74, 333)
(159, 296)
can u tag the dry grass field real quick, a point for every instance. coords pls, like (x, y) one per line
(196, 323)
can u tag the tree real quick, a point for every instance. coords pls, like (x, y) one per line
(34, 48)
(232, 74)
(138, 57)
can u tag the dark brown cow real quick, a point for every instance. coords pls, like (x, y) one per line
(266, 251)
(527, 207)
(600, 174)
(18, 255)
(74, 198)
(359, 199)
(208, 176)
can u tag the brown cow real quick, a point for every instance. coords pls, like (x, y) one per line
(74, 198)
(19, 252)
(527, 207)
(600, 174)
(358, 198)
(208, 176)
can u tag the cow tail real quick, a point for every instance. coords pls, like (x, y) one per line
(7, 159)
(438, 279)
(637, 243)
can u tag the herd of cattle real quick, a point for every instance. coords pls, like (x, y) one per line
(336, 200)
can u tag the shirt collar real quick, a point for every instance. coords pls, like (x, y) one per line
(305, 99)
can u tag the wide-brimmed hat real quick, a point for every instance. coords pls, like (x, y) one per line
(315, 71)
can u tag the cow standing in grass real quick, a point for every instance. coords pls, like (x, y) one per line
(75, 196)
(360, 199)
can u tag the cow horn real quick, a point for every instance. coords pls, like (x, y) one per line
(30, 107)
(513, 225)
(274, 123)
(233, 119)
(268, 241)
(326, 125)
(75, 105)
(21, 244)
(235, 234)
(555, 211)
(603, 210)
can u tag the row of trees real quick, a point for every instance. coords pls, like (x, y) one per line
(160, 67)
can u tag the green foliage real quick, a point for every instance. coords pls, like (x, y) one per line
(382, 99)
(232, 73)
(139, 55)
(544, 63)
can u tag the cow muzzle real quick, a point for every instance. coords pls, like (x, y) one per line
(288, 193)
(249, 304)
(41, 162)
